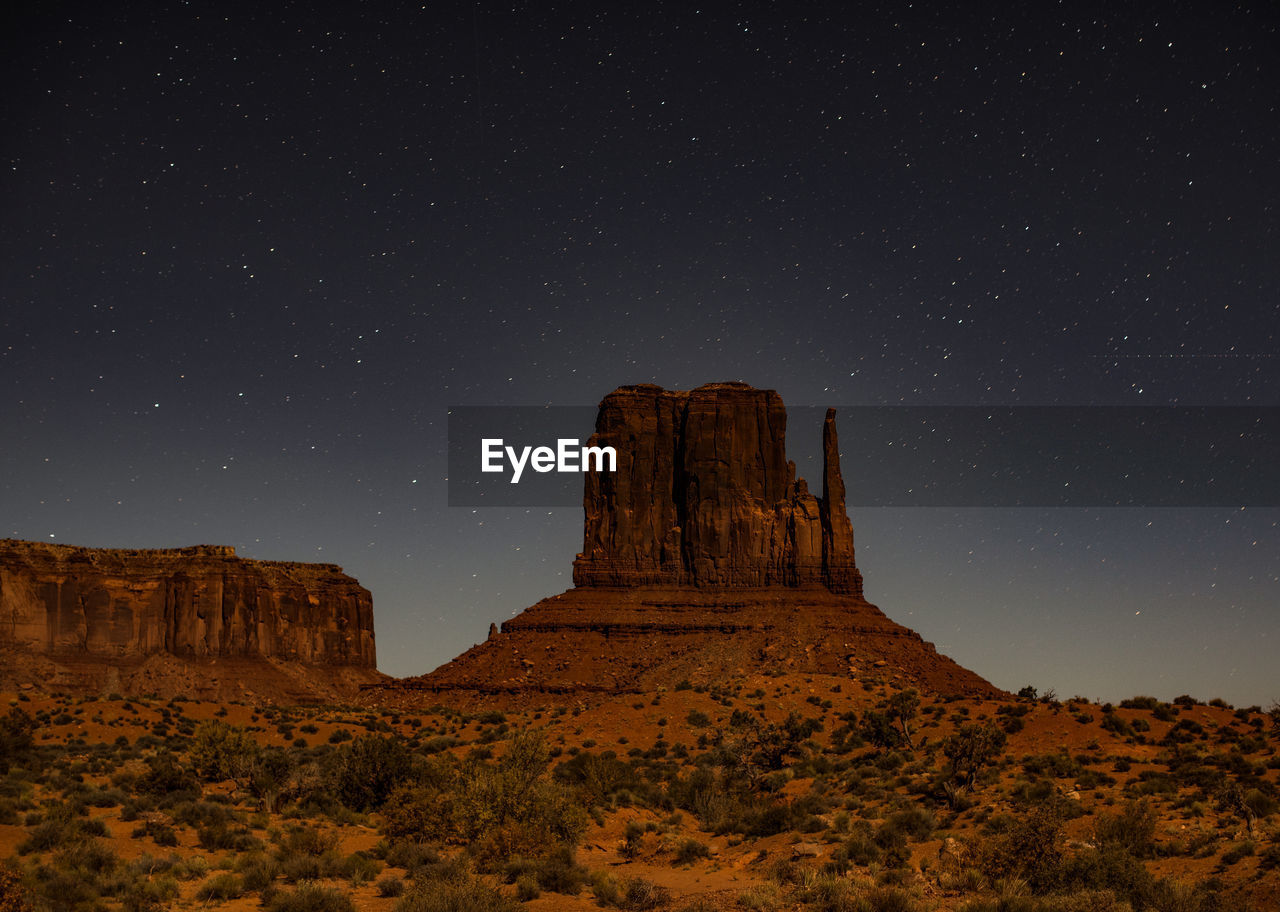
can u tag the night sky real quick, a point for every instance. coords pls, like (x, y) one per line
(253, 252)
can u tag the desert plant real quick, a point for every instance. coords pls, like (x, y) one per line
(971, 748)
(641, 895)
(903, 707)
(220, 887)
(220, 751)
(309, 897)
(1132, 830)
(465, 894)
(690, 850)
(1030, 849)
(366, 771)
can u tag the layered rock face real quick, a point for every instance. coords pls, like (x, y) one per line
(704, 496)
(202, 602)
(704, 558)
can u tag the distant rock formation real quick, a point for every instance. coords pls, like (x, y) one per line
(703, 557)
(92, 608)
(705, 496)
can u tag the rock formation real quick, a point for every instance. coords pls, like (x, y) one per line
(705, 496)
(91, 608)
(703, 557)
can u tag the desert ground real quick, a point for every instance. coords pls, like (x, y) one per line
(766, 792)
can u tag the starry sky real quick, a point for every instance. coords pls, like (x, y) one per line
(252, 253)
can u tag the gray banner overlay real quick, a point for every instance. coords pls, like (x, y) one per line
(946, 456)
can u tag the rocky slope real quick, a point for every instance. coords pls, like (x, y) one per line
(89, 617)
(703, 557)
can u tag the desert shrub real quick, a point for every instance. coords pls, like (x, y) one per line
(1113, 723)
(698, 719)
(410, 855)
(599, 776)
(357, 868)
(161, 834)
(501, 809)
(92, 858)
(890, 899)
(830, 894)
(61, 826)
(201, 814)
(365, 772)
(606, 888)
(557, 872)
(220, 751)
(640, 895)
(220, 887)
(1270, 859)
(1260, 804)
(1092, 779)
(690, 850)
(301, 840)
(1060, 765)
(509, 807)
(892, 843)
(309, 898)
(466, 894)
(1140, 703)
(1132, 830)
(16, 739)
(439, 744)
(390, 886)
(148, 893)
(306, 853)
(1012, 724)
(1109, 868)
(1153, 783)
(971, 749)
(167, 777)
(59, 889)
(527, 888)
(301, 868)
(418, 814)
(257, 871)
(877, 729)
(861, 846)
(1030, 848)
(915, 822)
(1238, 851)
(220, 837)
(104, 798)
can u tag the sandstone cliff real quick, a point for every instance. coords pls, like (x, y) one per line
(704, 557)
(91, 609)
(705, 496)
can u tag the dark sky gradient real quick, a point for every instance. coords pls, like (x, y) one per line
(252, 253)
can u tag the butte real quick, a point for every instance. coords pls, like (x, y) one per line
(704, 558)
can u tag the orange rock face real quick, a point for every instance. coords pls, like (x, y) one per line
(705, 496)
(199, 602)
(703, 558)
